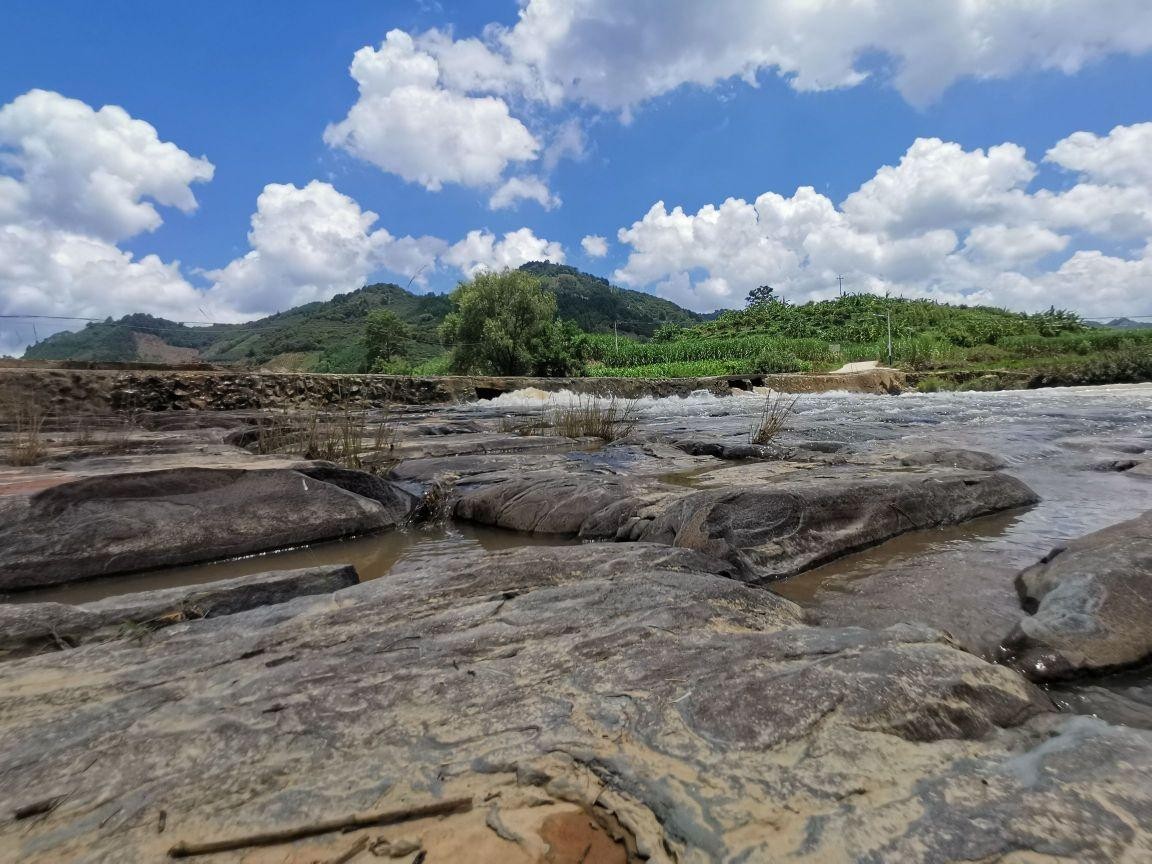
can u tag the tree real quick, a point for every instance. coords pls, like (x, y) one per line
(566, 351)
(505, 324)
(761, 296)
(385, 338)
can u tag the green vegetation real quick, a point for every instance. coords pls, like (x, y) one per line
(580, 324)
(772, 336)
(595, 306)
(761, 295)
(690, 369)
(505, 324)
(1129, 365)
(331, 336)
(860, 318)
(386, 340)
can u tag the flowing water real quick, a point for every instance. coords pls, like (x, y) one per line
(959, 579)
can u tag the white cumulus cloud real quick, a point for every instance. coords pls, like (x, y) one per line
(77, 180)
(309, 244)
(482, 250)
(516, 189)
(595, 246)
(95, 172)
(434, 109)
(948, 223)
(408, 123)
(1120, 157)
(616, 55)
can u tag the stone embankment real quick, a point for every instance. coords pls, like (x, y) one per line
(96, 391)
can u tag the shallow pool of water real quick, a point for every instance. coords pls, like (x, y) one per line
(373, 556)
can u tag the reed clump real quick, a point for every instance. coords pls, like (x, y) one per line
(25, 443)
(347, 438)
(606, 419)
(775, 415)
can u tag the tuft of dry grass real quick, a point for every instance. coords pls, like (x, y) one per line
(82, 434)
(774, 416)
(590, 417)
(25, 444)
(346, 438)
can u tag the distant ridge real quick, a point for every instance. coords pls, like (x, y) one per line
(1128, 324)
(327, 336)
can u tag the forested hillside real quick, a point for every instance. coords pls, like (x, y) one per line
(328, 336)
(595, 305)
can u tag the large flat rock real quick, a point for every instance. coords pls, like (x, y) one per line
(635, 686)
(1091, 604)
(118, 523)
(33, 628)
(768, 528)
(784, 528)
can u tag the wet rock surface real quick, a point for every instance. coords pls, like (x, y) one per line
(732, 450)
(971, 460)
(1091, 605)
(618, 700)
(699, 716)
(120, 522)
(789, 527)
(35, 628)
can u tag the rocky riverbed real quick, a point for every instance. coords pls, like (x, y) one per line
(906, 629)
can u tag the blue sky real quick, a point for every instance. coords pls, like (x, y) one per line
(252, 87)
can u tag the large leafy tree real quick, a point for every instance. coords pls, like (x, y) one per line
(505, 324)
(760, 296)
(385, 338)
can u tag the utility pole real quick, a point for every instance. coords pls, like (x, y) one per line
(888, 315)
(840, 279)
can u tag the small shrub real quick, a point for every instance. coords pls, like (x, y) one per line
(934, 384)
(1129, 366)
(393, 366)
(921, 352)
(772, 361)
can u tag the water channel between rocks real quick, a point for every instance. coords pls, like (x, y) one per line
(959, 579)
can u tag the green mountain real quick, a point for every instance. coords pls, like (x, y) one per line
(328, 336)
(597, 306)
